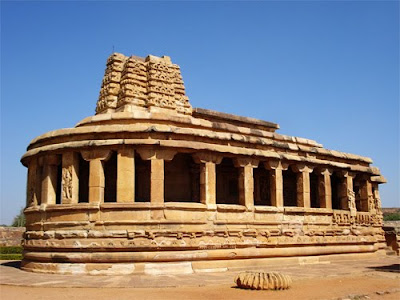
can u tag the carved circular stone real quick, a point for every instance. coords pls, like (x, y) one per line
(263, 281)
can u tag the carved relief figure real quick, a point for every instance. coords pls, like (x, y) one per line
(378, 205)
(371, 203)
(351, 196)
(67, 182)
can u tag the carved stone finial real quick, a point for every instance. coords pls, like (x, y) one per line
(263, 281)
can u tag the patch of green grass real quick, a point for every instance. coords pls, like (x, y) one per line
(392, 217)
(10, 256)
(11, 250)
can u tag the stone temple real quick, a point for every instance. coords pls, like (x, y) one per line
(150, 185)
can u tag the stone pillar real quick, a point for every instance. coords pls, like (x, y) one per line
(324, 187)
(31, 189)
(49, 179)
(157, 158)
(70, 181)
(371, 198)
(377, 198)
(96, 173)
(38, 181)
(246, 181)
(96, 181)
(276, 181)
(303, 185)
(246, 186)
(208, 177)
(126, 175)
(367, 197)
(208, 184)
(346, 192)
(157, 181)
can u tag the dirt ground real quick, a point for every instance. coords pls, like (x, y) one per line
(359, 287)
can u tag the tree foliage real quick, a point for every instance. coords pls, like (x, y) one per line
(19, 220)
(392, 217)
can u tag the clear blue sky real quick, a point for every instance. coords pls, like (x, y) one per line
(323, 70)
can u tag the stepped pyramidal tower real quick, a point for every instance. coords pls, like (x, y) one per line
(132, 83)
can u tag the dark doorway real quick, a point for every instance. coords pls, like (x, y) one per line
(181, 179)
(227, 182)
(314, 191)
(335, 186)
(110, 177)
(58, 185)
(142, 179)
(83, 177)
(289, 188)
(262, 186)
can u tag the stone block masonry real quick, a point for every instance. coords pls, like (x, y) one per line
(11, 236)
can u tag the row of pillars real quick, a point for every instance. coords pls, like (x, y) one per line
(43, 179)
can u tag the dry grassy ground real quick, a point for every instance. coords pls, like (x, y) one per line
(354, 287)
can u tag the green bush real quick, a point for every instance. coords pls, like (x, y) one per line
(10, 256)
(11, 250)
(392, 217)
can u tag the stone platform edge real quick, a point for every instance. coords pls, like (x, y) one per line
(189, 267)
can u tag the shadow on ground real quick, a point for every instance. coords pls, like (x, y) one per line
(14, 264)
(394, 268)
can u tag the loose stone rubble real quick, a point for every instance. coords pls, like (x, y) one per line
(151, 185)
(263, 281)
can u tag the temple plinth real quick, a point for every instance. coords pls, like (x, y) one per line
(149, 182)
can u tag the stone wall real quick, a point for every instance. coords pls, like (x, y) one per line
(392, 235)
(394, 224)
(11, 236)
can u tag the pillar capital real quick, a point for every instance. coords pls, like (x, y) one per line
(89, 155)
(151, 153)
(301, 168)
(126, 151)
(275, 165)
(323, 171)
(346, 174)
(206, 157)
(245, 161)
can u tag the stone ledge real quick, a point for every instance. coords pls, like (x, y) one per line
(213, 115)
(231, 208)
(268, 209)
(197, 146)
(195, 255)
